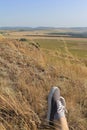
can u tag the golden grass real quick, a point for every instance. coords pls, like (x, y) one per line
(25, 80)
(1, 37)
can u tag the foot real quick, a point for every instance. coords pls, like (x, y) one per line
(56, 105)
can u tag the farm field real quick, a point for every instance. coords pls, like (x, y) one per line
(77, 46)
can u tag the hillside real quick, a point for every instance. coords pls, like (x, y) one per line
(1, 37)
(25, 80)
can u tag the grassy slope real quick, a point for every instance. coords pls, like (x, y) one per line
(26, 77)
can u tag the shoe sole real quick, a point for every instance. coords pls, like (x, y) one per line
(49, 101)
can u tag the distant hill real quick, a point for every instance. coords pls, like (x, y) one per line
(44, 28)
(26, 28)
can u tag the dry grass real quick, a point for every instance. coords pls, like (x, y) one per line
(1, 37)
(25, 80)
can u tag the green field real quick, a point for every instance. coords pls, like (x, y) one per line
(77, 47)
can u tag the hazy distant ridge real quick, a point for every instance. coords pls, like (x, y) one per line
(44, 28)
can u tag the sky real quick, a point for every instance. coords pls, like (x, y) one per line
(48, 13)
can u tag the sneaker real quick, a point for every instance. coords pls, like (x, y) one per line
(53, 96)
(56, 105)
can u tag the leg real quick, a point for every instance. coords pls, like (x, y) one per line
(59, 116)
(61, 124)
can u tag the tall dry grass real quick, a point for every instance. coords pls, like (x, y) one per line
(25, 80)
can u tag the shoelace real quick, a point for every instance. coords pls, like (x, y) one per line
(60, 107)
(63, 103)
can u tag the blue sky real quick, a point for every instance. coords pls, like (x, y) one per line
(33, 13)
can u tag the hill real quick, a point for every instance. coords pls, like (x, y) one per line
(25, 80)
(59, 29)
